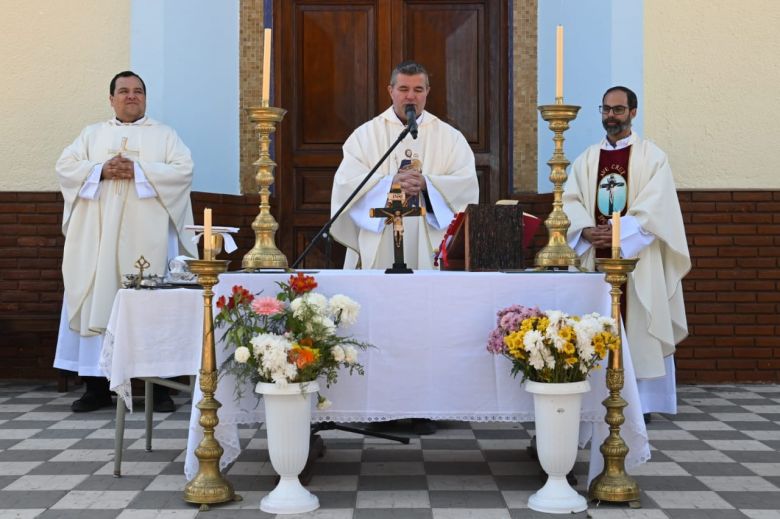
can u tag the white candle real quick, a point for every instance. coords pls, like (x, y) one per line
(207, 253)
(616, 235)
(266, 67)
(559, 62)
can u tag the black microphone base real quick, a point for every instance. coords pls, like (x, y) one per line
(399, 268)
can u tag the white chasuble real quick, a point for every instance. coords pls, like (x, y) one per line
(447, 166)
(656, 319)
(104, 237)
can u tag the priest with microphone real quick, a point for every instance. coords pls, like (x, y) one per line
(434, 166)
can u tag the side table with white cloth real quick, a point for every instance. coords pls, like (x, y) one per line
(430, 330)
(152, 335)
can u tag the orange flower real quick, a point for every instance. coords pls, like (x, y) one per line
(301, 284)
(302, 356)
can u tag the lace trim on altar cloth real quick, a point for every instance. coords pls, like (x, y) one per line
(123, 390)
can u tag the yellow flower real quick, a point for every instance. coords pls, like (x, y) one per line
(514, 343)
(569, 348)
(571, 361)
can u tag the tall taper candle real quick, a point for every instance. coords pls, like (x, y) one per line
(266, 67)
(207, 252)
(559, 63)
(616, 235)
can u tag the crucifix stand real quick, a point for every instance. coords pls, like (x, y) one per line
(394, 213)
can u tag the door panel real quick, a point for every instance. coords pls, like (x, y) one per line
(333, 60)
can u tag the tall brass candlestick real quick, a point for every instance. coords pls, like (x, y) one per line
(557, 252)
(265, 254)
(613, 484)
(208, 486)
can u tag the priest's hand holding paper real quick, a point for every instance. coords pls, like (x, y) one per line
(599, 236)
(411, 180)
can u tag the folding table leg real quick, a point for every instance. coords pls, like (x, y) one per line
(119, 436)
(148, 410)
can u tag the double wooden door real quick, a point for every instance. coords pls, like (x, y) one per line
(333, 62)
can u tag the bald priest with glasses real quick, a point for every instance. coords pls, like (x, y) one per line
(630, 175)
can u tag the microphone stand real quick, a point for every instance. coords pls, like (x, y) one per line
(316, 445)
(325, 230)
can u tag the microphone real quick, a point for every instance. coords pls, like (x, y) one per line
(411, 120)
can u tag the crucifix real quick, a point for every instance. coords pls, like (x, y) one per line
(610, 186)
(394, 213)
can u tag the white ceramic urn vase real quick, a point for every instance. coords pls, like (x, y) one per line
(288, 423)
(557, 416)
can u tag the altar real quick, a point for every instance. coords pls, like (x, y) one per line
(430, 331)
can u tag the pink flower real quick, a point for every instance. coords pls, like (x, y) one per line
(267, 306)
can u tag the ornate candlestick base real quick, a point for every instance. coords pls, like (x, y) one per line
(208, 486)
(265, 254)
(557, 253)
(613, 484)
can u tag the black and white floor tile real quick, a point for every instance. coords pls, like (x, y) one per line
(718, 458)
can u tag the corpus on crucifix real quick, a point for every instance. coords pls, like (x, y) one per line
(394, 213)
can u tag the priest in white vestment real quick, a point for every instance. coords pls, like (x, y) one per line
(126, 187)
(436, 170)
(632, 176)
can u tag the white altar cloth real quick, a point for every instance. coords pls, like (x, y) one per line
(152, 333)
(430, 330)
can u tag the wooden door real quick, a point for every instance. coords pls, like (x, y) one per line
(333, 62)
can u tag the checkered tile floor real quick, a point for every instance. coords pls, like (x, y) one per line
(717, 459)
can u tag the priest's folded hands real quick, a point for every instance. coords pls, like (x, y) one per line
(411, 180)
(117, 168)
(599, 236)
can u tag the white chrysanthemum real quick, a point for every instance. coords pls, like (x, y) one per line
(536, 360)
(338, 353)
(296, 305)
(242, 354)
(351, 355)
(533, 341)
(585, 329)
(309, 302)
(548, 357)
(607, 323)
(323, 403)
(272, 350)
(554, 336)
(324, 323)
(344, 308)
(555, 317)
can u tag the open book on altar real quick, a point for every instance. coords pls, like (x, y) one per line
(488, 238)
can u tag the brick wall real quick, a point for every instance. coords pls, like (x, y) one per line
(732, 296)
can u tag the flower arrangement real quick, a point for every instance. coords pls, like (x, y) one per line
(551, 346)
(289, 338)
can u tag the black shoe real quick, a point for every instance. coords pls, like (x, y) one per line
(91, 402)
(423, 426)
(163, 404)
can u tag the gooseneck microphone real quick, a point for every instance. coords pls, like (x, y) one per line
(411, 120)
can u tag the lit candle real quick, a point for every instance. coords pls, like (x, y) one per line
(266, 67)
(616, 235)
(559, 63)
(207, 253)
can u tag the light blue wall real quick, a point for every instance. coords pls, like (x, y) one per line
(603, 47)
(187, 53)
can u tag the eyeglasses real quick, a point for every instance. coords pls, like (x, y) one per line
(617, 110)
